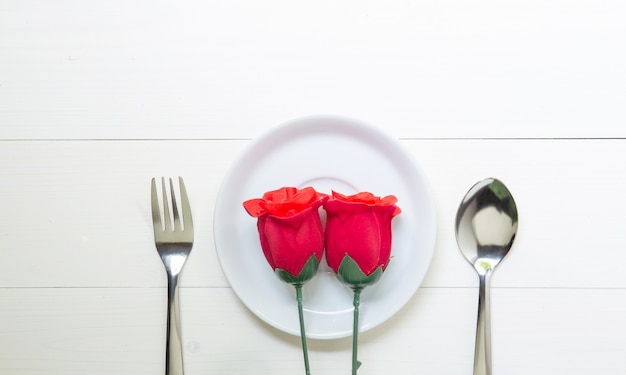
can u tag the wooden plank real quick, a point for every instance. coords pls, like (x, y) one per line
(105, 330)
(82, 211)
(77, 213)
(568, 195)
(446, 69)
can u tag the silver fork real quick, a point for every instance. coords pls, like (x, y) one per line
(174, 241)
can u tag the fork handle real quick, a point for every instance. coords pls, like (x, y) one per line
(174, 347)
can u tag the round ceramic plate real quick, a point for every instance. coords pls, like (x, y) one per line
(328, 153)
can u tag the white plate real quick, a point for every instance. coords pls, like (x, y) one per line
(328, 153)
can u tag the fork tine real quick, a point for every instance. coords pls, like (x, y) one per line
(156, 216)
(166, 209)
(184, 200)
(177, 226)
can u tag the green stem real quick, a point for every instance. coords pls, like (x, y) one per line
(355, 330)
(302, 330)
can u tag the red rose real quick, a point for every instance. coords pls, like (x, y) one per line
(290, 230)
(358, 236)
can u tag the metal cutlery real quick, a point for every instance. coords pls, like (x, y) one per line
(486, 225)
(173, 240)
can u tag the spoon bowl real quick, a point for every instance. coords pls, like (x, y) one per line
(486, 225)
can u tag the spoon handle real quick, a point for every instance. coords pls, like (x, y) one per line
(482, 354)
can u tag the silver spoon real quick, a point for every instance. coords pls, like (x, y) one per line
(486, 224)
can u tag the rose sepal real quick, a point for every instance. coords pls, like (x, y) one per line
(308, 271)
(351, 274)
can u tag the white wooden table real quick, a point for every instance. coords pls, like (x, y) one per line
(96, 98)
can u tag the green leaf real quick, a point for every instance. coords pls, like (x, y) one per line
(350, 273)
(308, 271)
